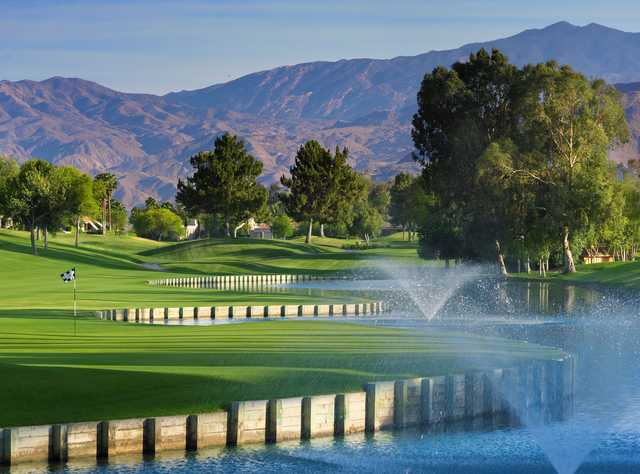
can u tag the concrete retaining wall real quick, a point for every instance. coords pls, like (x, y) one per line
(382, 405)
(187, 313)
(318, 416)
(165, 433)
(350, 413)
(284, 419)
(247, 422)
(120, 437)
(232, 280)
(206, 430)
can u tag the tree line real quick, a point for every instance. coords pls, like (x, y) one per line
(43, 198)
(515, 163)
(322, 193)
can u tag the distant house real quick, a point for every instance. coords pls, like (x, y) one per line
(89, 226)
(259, 231)
(597, 256)
(193, 229)
(6, 223)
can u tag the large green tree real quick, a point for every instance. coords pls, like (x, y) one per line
(224, 182)
(75, 197)
(30, 195)
(461, 110)
(8, 171)
(580, 120)
(515, 158)
(321, 185)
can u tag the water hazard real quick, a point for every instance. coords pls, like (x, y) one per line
(601, 435)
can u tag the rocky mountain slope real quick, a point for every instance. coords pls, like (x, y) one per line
(364, 104)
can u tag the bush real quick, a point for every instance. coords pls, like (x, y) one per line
(282, 227)
(158, 224)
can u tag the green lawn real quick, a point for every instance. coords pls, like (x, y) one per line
(618, 275)
(110, 272)
(325, 257)
(116, 370)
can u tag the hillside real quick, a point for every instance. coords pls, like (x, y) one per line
(364, 104)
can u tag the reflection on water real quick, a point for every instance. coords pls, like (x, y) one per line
(491, 447)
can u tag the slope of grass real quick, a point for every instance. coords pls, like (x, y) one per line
(325, 257)
(118, 370)
(110, 275)
(618, 274)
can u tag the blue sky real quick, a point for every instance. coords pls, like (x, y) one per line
(158, 46)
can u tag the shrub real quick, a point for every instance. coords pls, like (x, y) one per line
(158, 224)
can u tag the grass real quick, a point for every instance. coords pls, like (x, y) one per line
(110, 272)
(245, 256)
(624, 275)
(117, 370)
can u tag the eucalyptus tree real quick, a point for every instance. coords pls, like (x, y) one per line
(576, 121)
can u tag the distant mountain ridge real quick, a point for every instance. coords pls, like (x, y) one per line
(365, 104)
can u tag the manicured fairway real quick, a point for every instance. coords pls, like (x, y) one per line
(117, 370)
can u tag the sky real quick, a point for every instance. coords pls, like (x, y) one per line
(158, 46)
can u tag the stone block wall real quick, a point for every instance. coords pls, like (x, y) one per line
(350, 413)
(380, 406)
(247, 422)
(207, 430)
(318, 416)
(284, 419)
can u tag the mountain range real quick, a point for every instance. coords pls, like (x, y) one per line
(364, 104)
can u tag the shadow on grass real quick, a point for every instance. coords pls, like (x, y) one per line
(71, 255)
(47, 394)
(264, 248)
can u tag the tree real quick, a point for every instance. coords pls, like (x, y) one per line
(30, 192)
(367, 221)
(321, 185)
(516, 158)
(398, 207)
(581, 121)
(119, 216)
(224, 183)
(8, 171)
(282, 227)
(104, 186)
(158, 224)
(380, 197)
(74, 198)
(460, 112)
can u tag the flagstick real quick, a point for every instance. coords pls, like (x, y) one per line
(75, 320)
